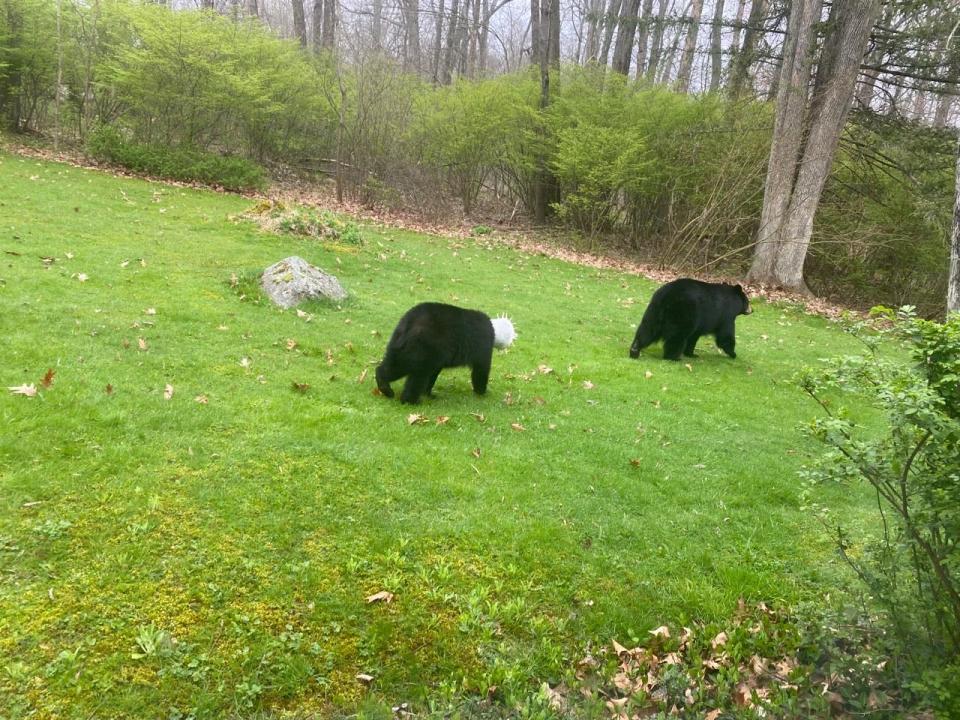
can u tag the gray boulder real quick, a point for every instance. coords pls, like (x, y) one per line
(293, 280)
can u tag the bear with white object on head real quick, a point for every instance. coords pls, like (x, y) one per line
(434, 336)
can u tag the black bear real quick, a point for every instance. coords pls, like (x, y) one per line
(682, 311)
(433, 336)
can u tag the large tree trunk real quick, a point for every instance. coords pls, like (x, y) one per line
(609, 24)
(953, 282)
(452, 29)
(299, 22)
(743, 58)
(376, 25)
(411, 36)
(787, 136)
(437, 43)
(738, 26)
(689, 47)
(553, 47)
(716, 49)
(251, 9)
(626, 32)
(643, 38)
(656, 41)
(317, 25)
(849, 29)
(329, 37)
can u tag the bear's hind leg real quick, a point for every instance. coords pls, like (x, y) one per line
(674, 341)
(480, 375)
(690, 348)
(415, 386)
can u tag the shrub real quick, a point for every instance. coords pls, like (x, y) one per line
(912, 566)
(185, 164)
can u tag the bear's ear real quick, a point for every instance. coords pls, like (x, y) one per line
(738, 287)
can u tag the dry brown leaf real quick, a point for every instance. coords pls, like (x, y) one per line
(648, 374)
(713, 715)
(416, 419)
(688, 366)
(150, 311)
(108, 389)
(47, 380)
(141, 343)
(662, 631)
(301, 387)
(202, 399)
(25, 390)
(743, 695)
(382, 596)
(82, 277)
(719, 640)
(635, 462)
(443, 419)
(544, 369)
(476, 453)
(587, 385)
(291, 343)
(518, 427)
(363, 376)
(672, 659)
(364, 678)
(167, 391)
(480, 417)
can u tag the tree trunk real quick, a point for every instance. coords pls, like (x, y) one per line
(656, 41)
(329, 38)
(953, 281)
(540, 24)
(251, 9)
(609, 23)
(787, 136)
(411, 36)
(626, 32)
(484, 42)
(317, 14)
(643, 38)
(716, 49)
(453, 26)
(437, 43)
(843, 48)
(738, 26)
(376, 29)
(299, 22)
(553, 54)
(689, 47)
(742, 60)
(591, 46)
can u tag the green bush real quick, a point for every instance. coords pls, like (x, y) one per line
(911, 566)
(185, 164)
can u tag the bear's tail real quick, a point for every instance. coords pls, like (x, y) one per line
(648, 332)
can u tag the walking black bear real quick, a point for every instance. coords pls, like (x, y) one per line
(682, 311)
(433, 336)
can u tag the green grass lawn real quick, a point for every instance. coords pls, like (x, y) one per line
(168, 555)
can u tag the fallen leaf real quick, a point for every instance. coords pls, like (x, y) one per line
(416, 419)
(743, 695)
(518, 427)
(25, 390)
(587, 385)
(291, 343)
(635, 462)
(364, 678)
(108, 389)
(713, 715)
(234, 280)
(363, 376)
(648, 374)
(662, 631)
(167, 391)
(141, 343)
(244, 362)
(688, 366)
(476, 453)
(382, 596)
(150, 311)
(719, 640)
(443, 419)
(68, 255)
(544, 369)
(202, 399)
(82, 277)
(480, 417)
(47, 380)
(300, 387)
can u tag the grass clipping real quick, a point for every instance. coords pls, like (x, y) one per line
(276, 217)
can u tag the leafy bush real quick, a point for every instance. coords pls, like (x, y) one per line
(320, 225)
(912, 566)
(185, 164)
